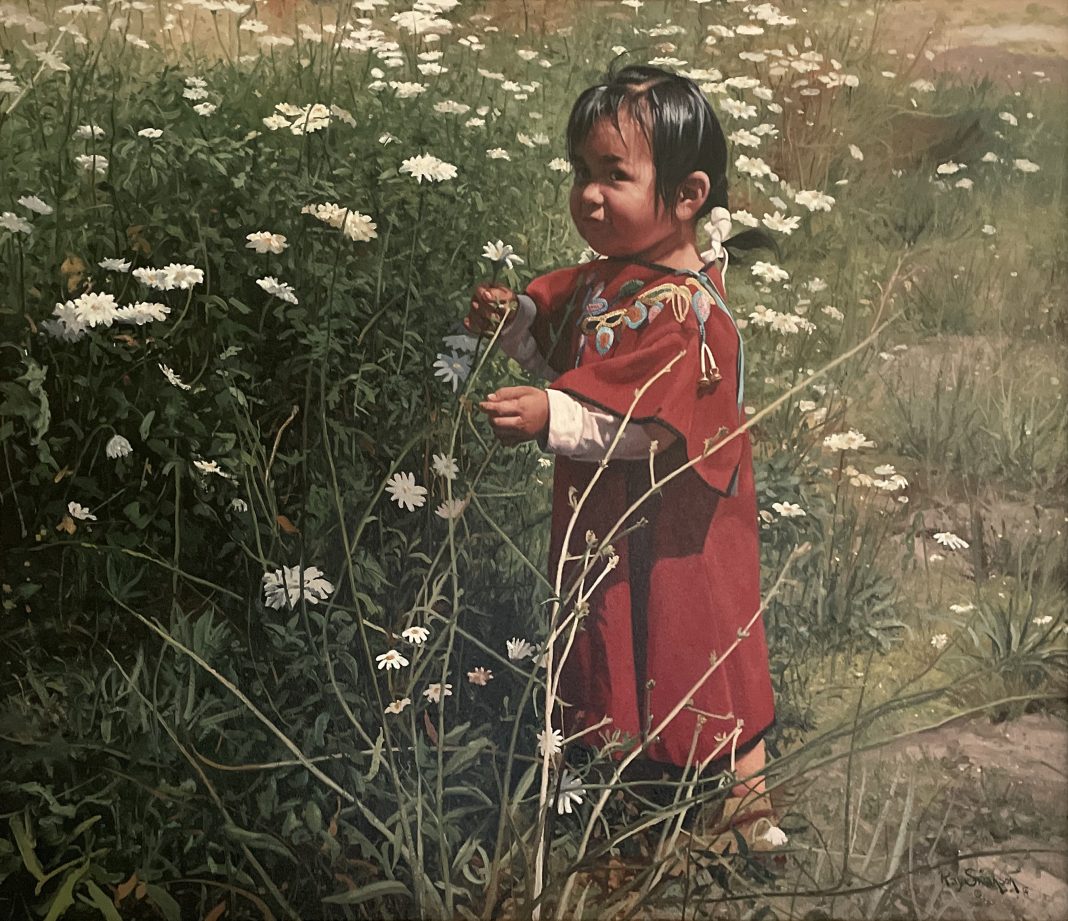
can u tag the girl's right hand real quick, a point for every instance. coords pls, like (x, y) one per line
(490, 305)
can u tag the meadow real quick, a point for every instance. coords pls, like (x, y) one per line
(275, 611)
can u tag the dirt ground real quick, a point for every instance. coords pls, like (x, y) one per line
(1006, 40)
(1028, 758)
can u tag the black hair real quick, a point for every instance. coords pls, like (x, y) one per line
(683, 132)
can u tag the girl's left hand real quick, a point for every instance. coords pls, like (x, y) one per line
(517, 414)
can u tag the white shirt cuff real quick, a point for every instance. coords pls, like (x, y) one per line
(581, 432)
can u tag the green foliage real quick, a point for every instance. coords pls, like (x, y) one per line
(171, 741)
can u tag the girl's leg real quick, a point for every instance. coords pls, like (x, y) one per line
(750, 767)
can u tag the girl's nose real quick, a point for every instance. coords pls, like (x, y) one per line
(591, 194)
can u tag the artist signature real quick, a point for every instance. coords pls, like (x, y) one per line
(971, 878)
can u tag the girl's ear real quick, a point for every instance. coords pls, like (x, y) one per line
(691, 196)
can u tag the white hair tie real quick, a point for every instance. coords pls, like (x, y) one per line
(718, 228)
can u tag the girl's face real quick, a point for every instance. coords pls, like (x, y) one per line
(613, 199)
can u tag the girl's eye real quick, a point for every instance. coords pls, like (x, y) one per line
(618, 176)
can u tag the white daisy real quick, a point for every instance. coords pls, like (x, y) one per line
(571, 793)
(150, 133)
(212, 468)
(263, 241)
(788, 509)
(16, 224)
(96, 308)
(847, 441)
(436, 691)
(398, 705)
(950, 541)
(452, 368)
(416, 635)
(391, 660)
(782, 223)
(813, 200)
(480, 676)
(501, 255)
(277, 288)
(519, 649)
(92, 162)
(445, 466)
(403, 490)
(939, 640)
(555, 740)
(426, 166)
(182, 275)
(115, 265)
(117, 446)
(461, 342)
(33, 203)
(80, 512)
(451, 508)
(173, 378)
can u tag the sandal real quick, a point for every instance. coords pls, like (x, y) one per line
(753, 817)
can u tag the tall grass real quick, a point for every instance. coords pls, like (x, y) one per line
(176, 744)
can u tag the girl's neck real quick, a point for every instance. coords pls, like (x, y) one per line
(674, 254)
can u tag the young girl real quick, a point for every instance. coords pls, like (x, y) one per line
(649, 162)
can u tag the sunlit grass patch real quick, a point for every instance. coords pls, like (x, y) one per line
(275, 600)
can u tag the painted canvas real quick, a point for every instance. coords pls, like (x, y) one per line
(533, 459)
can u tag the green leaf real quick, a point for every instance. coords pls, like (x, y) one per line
(101, 902)
(146, 423)
(25, 846)
(379, 890)
(376, 756)
(313, 817)
(64, 897)
(259, 840)
(164, 902)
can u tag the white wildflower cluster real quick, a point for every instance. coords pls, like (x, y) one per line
(784, 323)
(426, 166)
(768, 272)
(8, 84)
(299, 119)
(755, 167)
(357, 227)
(451, 107)
(263, 241)
(14, 223)
(171, 276)
(72, 319)
(92, 163)
(422, 20)
(278, 289)
(847, 441)
(886, 478)
(814, 200)
(285, 587)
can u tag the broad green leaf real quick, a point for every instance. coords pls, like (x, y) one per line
(101, 902)
(25, 846)
(64, 897)
(379, 890)
(164, 902)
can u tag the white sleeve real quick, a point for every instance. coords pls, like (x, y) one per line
(518, 344)
(581, 432)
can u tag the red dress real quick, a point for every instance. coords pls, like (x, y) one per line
(688, 582)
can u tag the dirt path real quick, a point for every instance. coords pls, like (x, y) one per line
(1006, 40)
(1026, 762)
